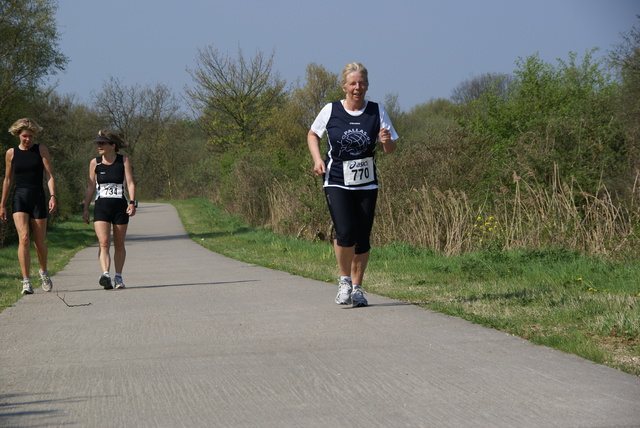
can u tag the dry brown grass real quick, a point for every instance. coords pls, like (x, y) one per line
(298, 209)
(526, 216)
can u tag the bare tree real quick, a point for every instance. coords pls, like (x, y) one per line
(626, 54)
(136, 111)
(148, 117)
(626, 58)
(473, 89)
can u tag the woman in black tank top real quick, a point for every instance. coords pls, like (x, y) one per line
(110, 175)
(26, 166)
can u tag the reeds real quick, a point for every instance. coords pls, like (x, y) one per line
(526, 216)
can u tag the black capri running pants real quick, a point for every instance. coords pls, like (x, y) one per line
(112, 211)
(352, 212)
(30, 201)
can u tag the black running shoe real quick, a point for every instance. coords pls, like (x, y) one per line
(105, 281)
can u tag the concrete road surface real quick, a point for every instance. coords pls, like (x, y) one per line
(200, 340)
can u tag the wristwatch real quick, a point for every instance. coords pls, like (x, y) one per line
(134, 202)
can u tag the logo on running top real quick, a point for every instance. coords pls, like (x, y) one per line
(354, 142)
(362, 163)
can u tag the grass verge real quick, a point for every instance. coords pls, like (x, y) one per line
(63, 241)
(575, 303)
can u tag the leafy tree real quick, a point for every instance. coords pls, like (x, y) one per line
(289, 121)
(248, 174)
(233, 97)
(28, 46)
(165, 164)
(68, 128)
(552, 115)
(422, 124)
(431, 151)
(321, 87)
(28, 53)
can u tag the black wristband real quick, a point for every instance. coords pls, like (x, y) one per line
(134, 203)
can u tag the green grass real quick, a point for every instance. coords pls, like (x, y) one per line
(578, 304)
(63, 240)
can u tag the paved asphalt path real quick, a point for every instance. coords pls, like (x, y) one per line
(200, 340)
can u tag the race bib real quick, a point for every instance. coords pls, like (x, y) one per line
(358, 171)
(111, 190)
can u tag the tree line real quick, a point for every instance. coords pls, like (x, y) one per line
(547, 135)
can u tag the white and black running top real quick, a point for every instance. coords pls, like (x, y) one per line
(351, 144)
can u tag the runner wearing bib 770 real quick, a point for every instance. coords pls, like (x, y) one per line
(353, 126)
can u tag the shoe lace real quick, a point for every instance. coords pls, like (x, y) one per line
(345, 287)
(358, 292)
(44, 276)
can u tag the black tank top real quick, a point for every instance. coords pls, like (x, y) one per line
(28, 168)
(110, 174)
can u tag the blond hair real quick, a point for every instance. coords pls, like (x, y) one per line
(354, 67)
(22, 124)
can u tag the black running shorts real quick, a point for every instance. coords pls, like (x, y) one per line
(30, 201)
(352, 213)
(113, 211)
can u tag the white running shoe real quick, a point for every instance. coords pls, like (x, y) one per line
(344, 292)
(47, 284)
(26, 287)
(118, 282)
(357, 297)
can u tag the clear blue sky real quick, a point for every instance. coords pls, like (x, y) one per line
(417, 49)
